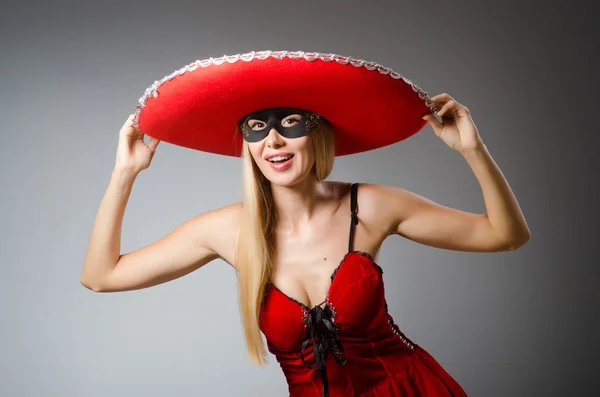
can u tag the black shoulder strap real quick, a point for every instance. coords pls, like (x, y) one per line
(354, 218)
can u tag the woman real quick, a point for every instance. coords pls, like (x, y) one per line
(304, 250)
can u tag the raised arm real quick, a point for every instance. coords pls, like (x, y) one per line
(502, 228)
(191, 245)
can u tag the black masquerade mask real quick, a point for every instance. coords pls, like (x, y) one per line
(288, 122)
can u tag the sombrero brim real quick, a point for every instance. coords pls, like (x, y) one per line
(200, 105)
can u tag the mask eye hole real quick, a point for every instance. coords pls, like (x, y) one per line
(291, 120)
(256, 125)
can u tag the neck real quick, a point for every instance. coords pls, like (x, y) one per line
(296, 205)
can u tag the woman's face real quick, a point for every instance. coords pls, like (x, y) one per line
(283, 161)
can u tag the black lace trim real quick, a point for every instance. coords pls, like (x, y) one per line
(365, 254)
(333, 274)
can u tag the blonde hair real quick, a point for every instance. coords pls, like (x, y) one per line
(255, 247)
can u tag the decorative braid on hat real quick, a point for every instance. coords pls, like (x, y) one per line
(312, 120)
(309, 56)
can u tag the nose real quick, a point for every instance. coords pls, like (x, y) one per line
(274, 139)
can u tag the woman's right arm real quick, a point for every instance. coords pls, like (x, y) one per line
(191, 245)
(196, 242)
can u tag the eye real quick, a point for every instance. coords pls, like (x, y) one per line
(256, 125)
(290, 122)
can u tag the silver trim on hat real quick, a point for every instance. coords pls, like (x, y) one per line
(309, 56)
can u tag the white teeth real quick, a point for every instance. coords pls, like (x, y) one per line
(279, 158)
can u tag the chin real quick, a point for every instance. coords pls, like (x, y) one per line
(287, 178)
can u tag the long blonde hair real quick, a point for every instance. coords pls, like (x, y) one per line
(255, 246)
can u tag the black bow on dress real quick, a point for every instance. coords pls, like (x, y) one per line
(322, 332)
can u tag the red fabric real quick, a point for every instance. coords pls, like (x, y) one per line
(379, 363)
(200, 109)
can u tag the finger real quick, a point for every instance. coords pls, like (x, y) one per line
(435, 124)
(153, 144)
(434, 116)
(440, 100)
(131, 121)
(447, 106)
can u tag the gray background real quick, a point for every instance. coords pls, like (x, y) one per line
(520, 323)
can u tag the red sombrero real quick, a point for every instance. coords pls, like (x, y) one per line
(200, 105)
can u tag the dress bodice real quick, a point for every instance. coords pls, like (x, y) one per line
(349, 345)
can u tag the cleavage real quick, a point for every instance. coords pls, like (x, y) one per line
(330, 278)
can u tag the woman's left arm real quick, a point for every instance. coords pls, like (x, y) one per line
(503, 228)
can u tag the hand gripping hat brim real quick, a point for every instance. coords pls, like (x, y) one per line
(200, 105)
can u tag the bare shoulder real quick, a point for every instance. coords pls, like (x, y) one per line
(399, 211)
(188, 247)
(218, 229)
(384, 207)
(371, 200)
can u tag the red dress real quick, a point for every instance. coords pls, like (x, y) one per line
(351, 346)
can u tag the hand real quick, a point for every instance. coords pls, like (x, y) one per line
(458, 130)
(132, 153)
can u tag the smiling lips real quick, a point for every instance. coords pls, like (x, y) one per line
(272, 155)
(280, 161)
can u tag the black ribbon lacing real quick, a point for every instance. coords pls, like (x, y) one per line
(322, 332)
